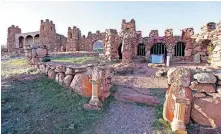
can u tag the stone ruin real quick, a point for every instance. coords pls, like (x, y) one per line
(128, 43)
(92, 81)
(192, 94)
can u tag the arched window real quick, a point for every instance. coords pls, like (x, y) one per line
(36, 39)
(141, 50)
(21, 41)
(98, 46)
(29, 40)
(120, 51)
(158, 49)
(179, 49)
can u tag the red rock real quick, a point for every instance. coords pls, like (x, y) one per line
(146, 99)
(201, 87)
(81, 85)
(67, 80)
(206, 111)
(199, 95)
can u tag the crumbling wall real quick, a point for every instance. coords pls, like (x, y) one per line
(73, 41)
(112, 41)
(216, 42)
(49, 37)
(11, 40)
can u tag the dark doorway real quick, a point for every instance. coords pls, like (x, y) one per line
(120, 51)
(21, 41)
(179, 49)
(141, 50)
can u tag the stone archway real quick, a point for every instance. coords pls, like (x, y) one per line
(120, 51)
(98, 46)
(141, 51)
(29, 40)
(21, 41)
(36, 39)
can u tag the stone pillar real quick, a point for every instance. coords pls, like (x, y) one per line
(178, 123)
(129, 40)
(94, 103)
(112, 40)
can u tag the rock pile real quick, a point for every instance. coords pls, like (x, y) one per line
(202, 89)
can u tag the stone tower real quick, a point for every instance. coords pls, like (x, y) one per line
(73, 41)
(131, 26)
(48, 34)
(11, 37)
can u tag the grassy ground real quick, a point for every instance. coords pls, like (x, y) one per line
(76, 60)
(16, 66)
(43, 106)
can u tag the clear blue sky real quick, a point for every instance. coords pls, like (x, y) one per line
(92, 16)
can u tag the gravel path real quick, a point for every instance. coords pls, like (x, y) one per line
(127, 118)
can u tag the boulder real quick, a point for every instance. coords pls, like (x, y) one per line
(51, 74)
(179, 77)
(205, 78)
(206, 111)
(60, 78)
(60, 69)
(203, 87)
(199, 95)
(81, 85)
(67, 80)
(69, 71)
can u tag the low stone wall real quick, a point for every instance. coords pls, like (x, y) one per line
(76, 53)
(192, 94)
(88, 80)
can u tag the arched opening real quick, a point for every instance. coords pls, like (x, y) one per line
(158, 52)
(21, 41)
(98, 46)
(120, 51)
(29, 40)
(36, 39)
(141, 50)
(179, 49)
(70, 35)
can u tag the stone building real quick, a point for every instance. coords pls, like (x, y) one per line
(128, 43)
(46, 36)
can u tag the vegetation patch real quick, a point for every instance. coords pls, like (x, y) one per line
(43, 106)
(76, 60)
(162, 126)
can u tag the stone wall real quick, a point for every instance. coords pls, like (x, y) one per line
(50, 38)
(11, 40)
(199, 92)
(112, 42)
(88, 80)
(73, 41)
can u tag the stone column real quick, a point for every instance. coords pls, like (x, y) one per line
(178, 123)
(127, 47)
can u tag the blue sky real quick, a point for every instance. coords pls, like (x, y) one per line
(92, 16)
